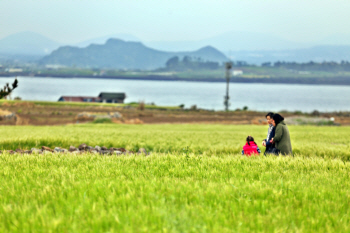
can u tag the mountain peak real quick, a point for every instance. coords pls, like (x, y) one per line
(120, 54)
(115, 40)
(208, 48)
(119, 42)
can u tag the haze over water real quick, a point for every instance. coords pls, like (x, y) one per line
(206, 95)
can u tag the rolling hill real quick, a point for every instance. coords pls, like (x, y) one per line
(119, 54)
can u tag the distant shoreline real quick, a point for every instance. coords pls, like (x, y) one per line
(307, 81)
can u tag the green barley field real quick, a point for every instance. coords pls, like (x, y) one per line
(195, 180)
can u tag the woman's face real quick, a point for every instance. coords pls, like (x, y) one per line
(273, 122)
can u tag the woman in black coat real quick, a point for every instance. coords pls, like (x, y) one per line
(282, 137)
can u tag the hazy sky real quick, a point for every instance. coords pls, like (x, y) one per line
(70, 21)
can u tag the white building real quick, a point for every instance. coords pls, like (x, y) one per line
(237, 72)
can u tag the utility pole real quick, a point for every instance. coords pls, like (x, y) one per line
(228, 66)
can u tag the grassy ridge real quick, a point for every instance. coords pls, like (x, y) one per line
(86, 104)
(197, 139)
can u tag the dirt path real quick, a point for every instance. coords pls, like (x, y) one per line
(29, 113)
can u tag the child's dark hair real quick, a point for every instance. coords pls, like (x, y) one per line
(250, 139)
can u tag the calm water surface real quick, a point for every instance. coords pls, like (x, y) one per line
(265, 97)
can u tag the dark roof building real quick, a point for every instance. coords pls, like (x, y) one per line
(110, 97)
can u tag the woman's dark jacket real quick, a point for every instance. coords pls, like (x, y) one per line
(282, 139)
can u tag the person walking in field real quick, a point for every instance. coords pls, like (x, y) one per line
(282, 137)
(270, 134)
(250, 148)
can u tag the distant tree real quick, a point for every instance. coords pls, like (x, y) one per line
(190, 63)
(241, 63)
(266, 64)
(187, 59)
(172, 62)
(329, 66)
(279, 64)
(6, 90)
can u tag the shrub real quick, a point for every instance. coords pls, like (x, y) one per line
(102, 121)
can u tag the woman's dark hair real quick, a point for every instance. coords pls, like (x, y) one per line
(277, 118)
(250, 139)
(270, 114)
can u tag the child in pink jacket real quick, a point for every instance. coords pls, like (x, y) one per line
(250, 148)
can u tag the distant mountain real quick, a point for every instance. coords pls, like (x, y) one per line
(232, 41)
(119, 54)
(31, 44)
(27, 43)
(103, 39)
(316, 54)
(336, 39)
(207, 53)
(254, 48)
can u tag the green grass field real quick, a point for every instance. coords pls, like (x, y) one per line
(86, 104)
(195, 180)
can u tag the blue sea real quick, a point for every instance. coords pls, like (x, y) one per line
(206, 95)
